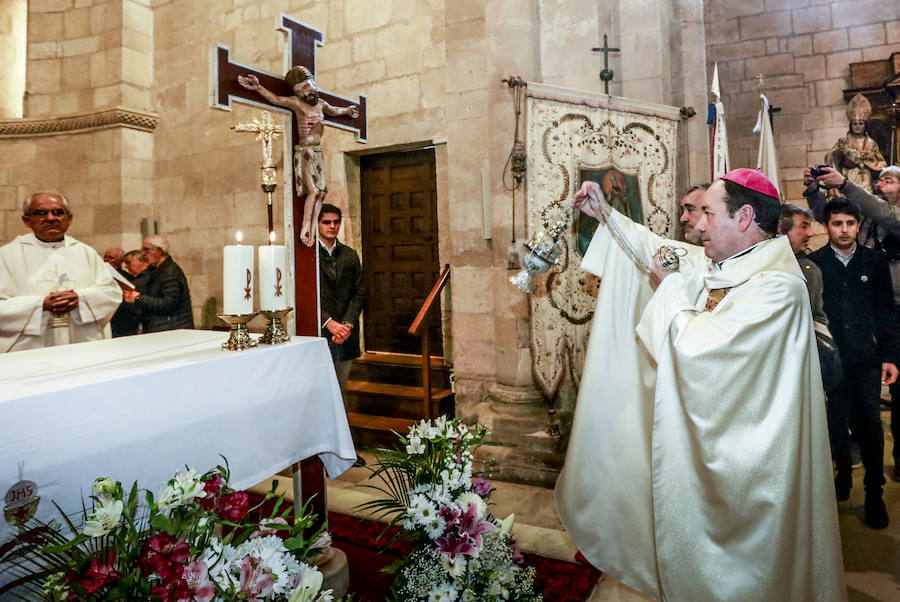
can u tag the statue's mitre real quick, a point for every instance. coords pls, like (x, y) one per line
(859, 108)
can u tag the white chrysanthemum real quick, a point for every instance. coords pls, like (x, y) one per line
(273, 555)
(435, 526)
(456, 568)
(445, 592)
(467, 596)
(424, 511)
(469, 498)
(223, 564)
(106, 517)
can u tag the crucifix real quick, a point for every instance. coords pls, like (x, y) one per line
(301, 50)
(265, 131)
(607, 74)
(302, 40)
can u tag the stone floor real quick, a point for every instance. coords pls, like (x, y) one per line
(871, 558)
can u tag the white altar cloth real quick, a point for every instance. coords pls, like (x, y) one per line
(142, 407)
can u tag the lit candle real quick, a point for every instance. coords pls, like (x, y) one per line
(237, 276)
(272, 276)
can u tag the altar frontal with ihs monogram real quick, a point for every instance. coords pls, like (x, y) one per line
(629, 148)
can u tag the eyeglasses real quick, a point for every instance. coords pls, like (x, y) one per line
(45, 213)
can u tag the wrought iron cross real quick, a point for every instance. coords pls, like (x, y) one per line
(607, 74)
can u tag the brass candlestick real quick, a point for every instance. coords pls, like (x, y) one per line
(239, 337)
(275, 333)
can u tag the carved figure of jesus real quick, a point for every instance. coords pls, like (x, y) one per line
(309, 163)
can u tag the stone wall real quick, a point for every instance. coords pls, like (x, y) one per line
(804, 49)
(85, 58)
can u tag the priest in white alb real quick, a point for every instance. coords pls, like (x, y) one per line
(53, 289)
(699, 466)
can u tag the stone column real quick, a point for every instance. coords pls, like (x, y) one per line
(13, 20)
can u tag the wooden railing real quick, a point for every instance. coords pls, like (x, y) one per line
(419, 325)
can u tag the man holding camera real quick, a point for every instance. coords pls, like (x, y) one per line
(880, 229)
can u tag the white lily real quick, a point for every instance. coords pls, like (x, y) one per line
(106, 517)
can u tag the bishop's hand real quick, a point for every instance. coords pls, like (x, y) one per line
(591, 201)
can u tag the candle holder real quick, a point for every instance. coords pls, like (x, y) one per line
(239, 337)
(275, 333)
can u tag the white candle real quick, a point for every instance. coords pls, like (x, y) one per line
(272, 277)
(237, 276)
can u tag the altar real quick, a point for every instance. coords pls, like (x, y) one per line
(142, 407)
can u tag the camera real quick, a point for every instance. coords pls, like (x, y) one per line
(818, 170)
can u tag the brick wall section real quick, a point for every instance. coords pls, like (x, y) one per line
(804, 48)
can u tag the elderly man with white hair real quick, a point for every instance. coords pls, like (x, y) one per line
(165, 303)
(54, 289)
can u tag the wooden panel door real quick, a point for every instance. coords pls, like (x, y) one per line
(400, 251)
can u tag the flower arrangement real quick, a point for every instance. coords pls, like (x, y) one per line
(170, 547)
(462, 552)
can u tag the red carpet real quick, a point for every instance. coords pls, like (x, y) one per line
(367, 555)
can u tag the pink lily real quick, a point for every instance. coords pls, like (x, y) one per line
(471, 526)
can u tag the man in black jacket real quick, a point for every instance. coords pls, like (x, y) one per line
(342, 293)
(882, 212)
(858, 302)
(165, 301)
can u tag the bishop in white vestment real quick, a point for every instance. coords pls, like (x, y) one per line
(699, 466)
(53, 288)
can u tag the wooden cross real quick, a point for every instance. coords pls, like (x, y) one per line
(607, 74)
(302, 43)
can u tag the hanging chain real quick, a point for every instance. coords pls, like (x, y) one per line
(517, 161)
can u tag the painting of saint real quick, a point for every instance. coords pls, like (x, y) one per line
(622, 190)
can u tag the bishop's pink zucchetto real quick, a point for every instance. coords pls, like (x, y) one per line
(752, 179)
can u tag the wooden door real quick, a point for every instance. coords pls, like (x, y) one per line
(400, 250)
